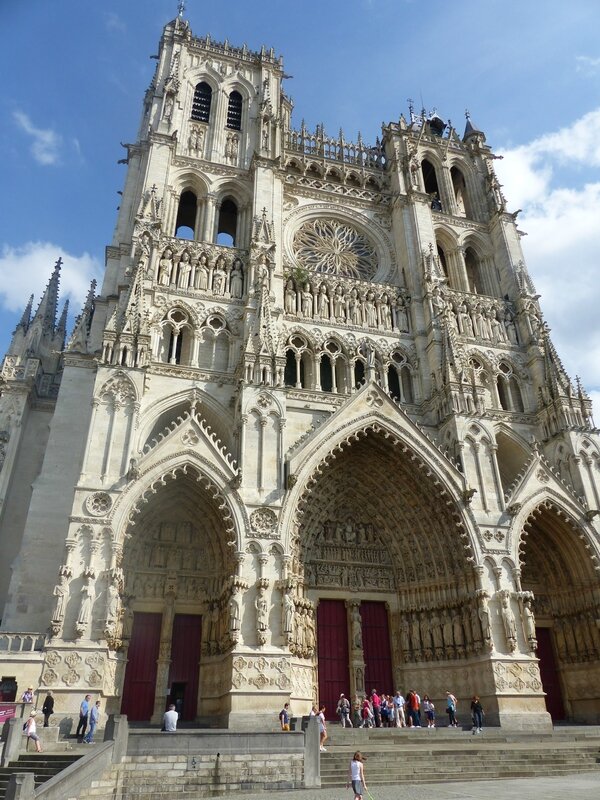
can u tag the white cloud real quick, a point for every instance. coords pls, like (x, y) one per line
(562, 248)
(26, 269)
(587, 65)
(46, 143)
(114, 22)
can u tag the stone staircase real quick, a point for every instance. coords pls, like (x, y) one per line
(43, 765)
(444, 755)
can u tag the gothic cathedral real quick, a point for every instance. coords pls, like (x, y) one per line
(311, 437)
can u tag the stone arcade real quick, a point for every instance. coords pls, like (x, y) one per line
(312, 435)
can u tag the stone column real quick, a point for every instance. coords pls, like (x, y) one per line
(164, 659)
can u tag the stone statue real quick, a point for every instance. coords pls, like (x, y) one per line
(61, 592)
(235, 610)
(262, 610)
(185, 268)
(307, 302)
(385, 313)
(288, 611)
(484, 618)
(354, 308)
(529, 623)
(290, 297)
(356, 626)
(404, 638)
(508, 620)
(237, 279)
(201, 277)
(113, 603)
(323, 302)
(339, 304)
(85, 606)
(165, 267)
(219, 276)
(370, 310)
(459, 637)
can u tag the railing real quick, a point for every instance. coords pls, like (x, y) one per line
(22, 642)
(319, 145)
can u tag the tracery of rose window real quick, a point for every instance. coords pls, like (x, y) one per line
(334, 248)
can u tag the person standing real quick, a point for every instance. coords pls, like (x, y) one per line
(357, 775)
(84, 710)
(170, 720)
(451, 710)
(322, 729)
(27, 696)
(284, 717)
(343, 711)
(476, 714)
(399, 703)
(30, 729)
(48, 709)
(429, 709)
(376, 703)
(94, 719)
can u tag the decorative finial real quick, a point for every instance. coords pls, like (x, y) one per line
(181, 9)
(59, 263)
(467, 113)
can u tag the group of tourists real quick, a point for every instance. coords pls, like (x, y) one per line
(399, 711)
(89, 715)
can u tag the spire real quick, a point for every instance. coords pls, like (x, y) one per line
(26, 318)
(48, 306)
(61, 328)
(78, 340)
(471, 129)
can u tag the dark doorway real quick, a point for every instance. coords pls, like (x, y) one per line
(549, 674)
(332, 650)
(185, 665)
(376, 646)
(140, 677)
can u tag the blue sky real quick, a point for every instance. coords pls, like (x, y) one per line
(529, 72)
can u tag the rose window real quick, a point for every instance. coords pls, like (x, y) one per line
(334, 248)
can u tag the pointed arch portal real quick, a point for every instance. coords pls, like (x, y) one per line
(177, 567)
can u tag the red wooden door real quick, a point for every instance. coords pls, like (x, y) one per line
(140, 676)
(185, 663)
(376, 647)
(549, 674)
(332, 652)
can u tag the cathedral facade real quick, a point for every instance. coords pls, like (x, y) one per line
(312, 435)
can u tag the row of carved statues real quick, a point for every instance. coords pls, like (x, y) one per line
(493, 322)
(223, 277)
(348, 304)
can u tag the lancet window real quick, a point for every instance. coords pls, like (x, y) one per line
(509, 391)
(234, 111)
(175, 343)
(430, 183)
(227, 223)
(202, 102)
(185, 224)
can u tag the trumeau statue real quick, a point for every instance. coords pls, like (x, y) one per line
(356, 625)
(508, 620)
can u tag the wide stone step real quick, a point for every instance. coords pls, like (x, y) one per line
(43, 766)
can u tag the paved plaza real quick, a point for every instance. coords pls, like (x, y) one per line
(586, 785)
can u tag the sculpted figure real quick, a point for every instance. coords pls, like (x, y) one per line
(288, 611)
(235, 610)
(185, 268)
(415, 635)
(165, 267)
(201, 276)
(484, 618)
(405, 638)
(508, 620)
(356, 625)
(323, 302)
(307, 301)
(510, 327)
(459, 637)
(237, 279)
(339, 304)
(436, 633)
(113, 603)
(219, 276)
(370, 310)
(290, 297)
(61, 592)
(529, 622)
(384, 312)
(85, 606)
(262, 610)
(354, 308)
(401, 313)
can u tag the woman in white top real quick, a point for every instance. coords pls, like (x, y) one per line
(357, 775)
(30, 729)
(322, 729)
